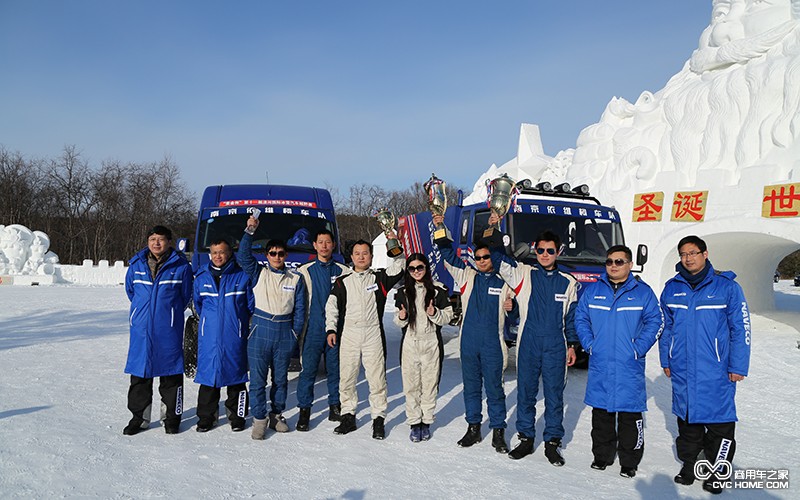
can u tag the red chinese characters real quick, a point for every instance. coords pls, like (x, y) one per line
(781, 200)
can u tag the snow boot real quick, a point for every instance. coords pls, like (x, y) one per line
(335, 412)
(172, 426)
(347, 424)
(523, 449)
(499, 440)
(259, 428)
(628, 472)
(425, 432)
(303, 419)
(416, 433)
(552, 453)
(600, 464)
(378, 429)
(277, 423)
(472, 436)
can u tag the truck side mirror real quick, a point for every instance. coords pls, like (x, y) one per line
(641, 257)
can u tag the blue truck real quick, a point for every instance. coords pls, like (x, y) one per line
(293, 214)
(586, 228)
(290, 213)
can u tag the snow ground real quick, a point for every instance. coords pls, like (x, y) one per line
(63, 407)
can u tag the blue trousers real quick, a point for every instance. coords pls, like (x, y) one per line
(541, 357)
(482, 365)
(315, 346)
(269, 349)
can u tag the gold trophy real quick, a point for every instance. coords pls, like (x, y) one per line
(388, 222)
(502, 191)
(435, 188)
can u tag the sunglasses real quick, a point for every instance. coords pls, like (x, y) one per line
(416, 269)
(550, 251)
(616, 262)
(279, 253)
(483, 257)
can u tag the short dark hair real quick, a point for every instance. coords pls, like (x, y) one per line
(694, 240)
(479, 246)
(548, 235)
(361, 242)
(220, 241)
(620, 248)
(323, 232)
(275, 243)
(161, 231)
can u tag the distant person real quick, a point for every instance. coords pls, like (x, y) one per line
(423, 307)
(486, 302)
(159, 285)
(705, 351)
(278, 319)
(547, 299)
(354, 322)
(618, 320)
(319, 275)
(223, 299)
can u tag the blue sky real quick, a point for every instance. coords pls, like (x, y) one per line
(326, 92)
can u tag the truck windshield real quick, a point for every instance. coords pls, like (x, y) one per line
(296, 230)
(585, 239)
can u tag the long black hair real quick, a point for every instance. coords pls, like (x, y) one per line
(410, 286)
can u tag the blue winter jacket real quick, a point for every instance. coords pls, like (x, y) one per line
(156, 315)
(706, 337)
(617, 330)
(224, 313)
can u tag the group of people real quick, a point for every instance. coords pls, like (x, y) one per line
(253, 316)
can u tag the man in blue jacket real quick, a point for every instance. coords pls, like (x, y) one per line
(487, 303)
(618, 320)
(224, 303)
(278, 319)
(319, 275)
(705, 351)
(159, 286)
(547, 298)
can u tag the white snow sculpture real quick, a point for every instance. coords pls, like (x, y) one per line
(728, 123)
(25, 252)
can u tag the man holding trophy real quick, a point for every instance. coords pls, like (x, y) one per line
(484, 354)
(502, 192)
(354, 322)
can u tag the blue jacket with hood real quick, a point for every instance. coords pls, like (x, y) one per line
(224, 312)
(617, 330)
(156, 314)
(706, 337)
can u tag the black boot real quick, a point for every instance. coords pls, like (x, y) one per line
(204, 425)
(523, 449)
(552, 453)
(499, 440)
(686, 475)
(134, 426)
(335, 412)
(303, 419)
(713, 485)
(628, 472)
(378, 430)
(472, 436)
(347, 424)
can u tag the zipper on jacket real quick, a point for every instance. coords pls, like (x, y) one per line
(203, 328)
(671, 345)
(172, 317)
(130, 320)
(716, 349)
(241, 327)
(633, 345)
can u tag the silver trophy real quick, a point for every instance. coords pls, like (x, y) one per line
(501, 193)
(436, 190)
(388, 222)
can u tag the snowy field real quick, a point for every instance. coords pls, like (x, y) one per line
(63, 407)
